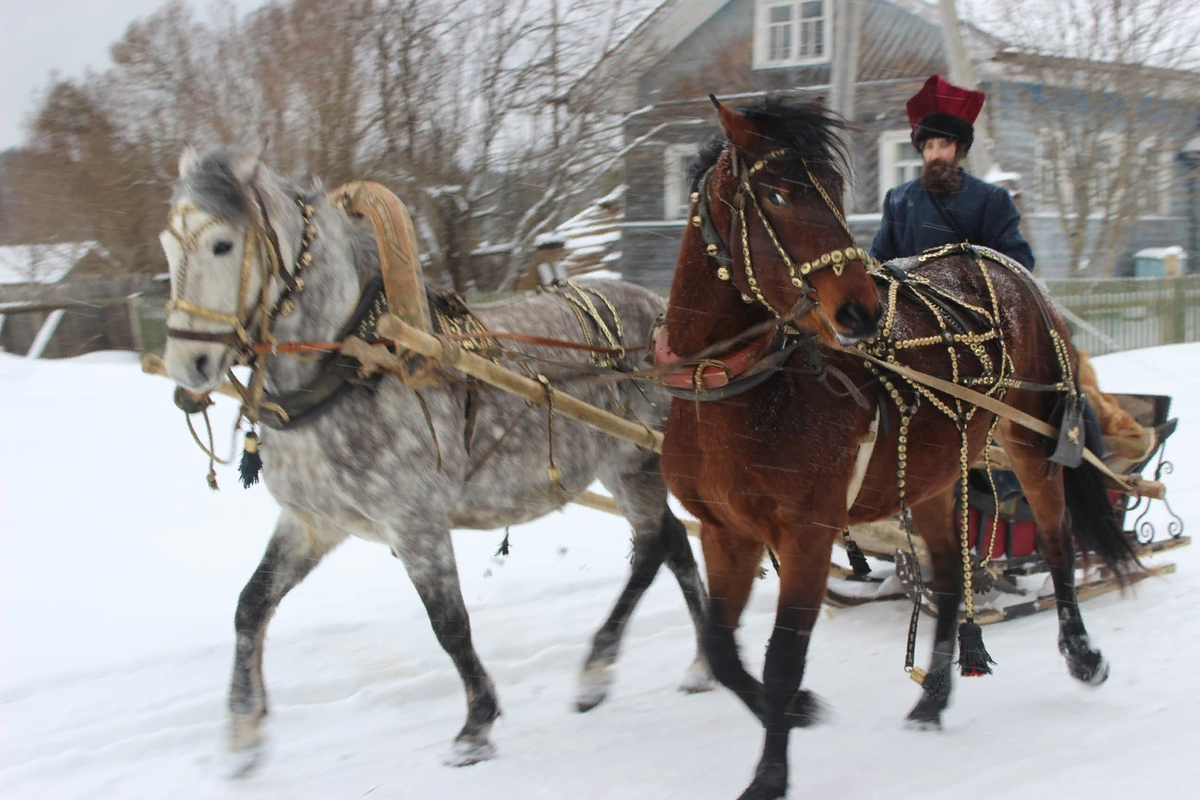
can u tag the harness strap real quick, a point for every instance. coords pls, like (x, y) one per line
(991, 404)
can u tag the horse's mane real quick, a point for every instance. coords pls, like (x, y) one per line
(805, 128)
(213, 187)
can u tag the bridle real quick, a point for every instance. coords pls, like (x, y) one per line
(260, 239)
(799, 275)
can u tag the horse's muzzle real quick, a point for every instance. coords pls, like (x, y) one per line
(857, 322)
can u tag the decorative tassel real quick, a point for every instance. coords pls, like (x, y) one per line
(858, 561)
(251, 463)
(503, 551)
(973, 659)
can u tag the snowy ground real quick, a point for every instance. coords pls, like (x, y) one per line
(120, 571)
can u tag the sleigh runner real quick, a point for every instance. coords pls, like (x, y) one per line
(1010, 573)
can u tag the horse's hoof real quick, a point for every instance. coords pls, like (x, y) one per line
(594, 684)
(697, 679)
(244, 745)
(765, 787)
(1089, 671)
(926, 715)
(922, 723)
(239, 764)
(465, 752)
(808, 709)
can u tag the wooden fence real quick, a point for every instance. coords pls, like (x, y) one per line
(1104, 315)
(1108, 315)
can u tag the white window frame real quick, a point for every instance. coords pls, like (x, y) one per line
(1046, 203)
(889, 164)
(762, 34)
(676, 193)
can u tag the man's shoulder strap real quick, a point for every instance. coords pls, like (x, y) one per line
(954, 225)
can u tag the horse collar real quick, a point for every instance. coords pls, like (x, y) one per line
(733, 373)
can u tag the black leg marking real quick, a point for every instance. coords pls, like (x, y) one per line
(935, 690)
(721, 650)
(290, 556)
(431, 566)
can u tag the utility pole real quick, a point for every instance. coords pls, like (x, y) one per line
(844, 72)
(963, 74)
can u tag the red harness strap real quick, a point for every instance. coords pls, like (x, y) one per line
(708, 373)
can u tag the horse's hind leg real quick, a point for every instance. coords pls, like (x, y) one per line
(935, 520)
(294, 550)
(658, 536)
(1042, 483)
(428, 556)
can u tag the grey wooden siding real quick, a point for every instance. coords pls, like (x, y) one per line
(898, 51)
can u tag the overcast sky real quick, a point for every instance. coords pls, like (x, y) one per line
(71, 36)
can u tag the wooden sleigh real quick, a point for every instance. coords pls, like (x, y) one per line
(1013, 580)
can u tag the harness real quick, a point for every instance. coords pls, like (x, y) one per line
(710, 378)
(834, 259)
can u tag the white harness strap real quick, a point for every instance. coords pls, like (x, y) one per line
(866, 446)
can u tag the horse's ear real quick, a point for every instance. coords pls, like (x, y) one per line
(188, 159)
(245, 167)
(738, 130)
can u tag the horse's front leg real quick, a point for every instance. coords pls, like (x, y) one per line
(294, 550)
(732, 563)
(803, 571)
(428, 556)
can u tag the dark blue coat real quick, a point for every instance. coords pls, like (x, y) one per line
(985, 212)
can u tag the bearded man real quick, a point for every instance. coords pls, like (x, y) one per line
(947, 204)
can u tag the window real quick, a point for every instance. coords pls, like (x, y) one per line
(677, 191)
(791, 32)
(899, 161)
(1154, 180)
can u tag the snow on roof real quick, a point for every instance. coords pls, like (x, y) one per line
(997, 175)
(40, 263)
(1160, 252)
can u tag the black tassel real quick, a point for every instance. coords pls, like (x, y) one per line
(503, 551)
(251, 463)
(858, 561)
(973, 658)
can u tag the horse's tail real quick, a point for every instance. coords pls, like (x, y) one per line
(1093, 518)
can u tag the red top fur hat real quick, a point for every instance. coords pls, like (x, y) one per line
(943, 109)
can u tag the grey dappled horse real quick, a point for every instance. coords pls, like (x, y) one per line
(368, 465)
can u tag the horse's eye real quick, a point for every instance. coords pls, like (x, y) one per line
(222, 247)
(776, 198)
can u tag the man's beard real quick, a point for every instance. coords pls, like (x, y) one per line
(941, 176)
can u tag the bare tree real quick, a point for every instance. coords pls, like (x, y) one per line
(1111, 87)
(459, 105)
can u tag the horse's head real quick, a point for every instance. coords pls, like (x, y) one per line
(229, 239)
(774, 198)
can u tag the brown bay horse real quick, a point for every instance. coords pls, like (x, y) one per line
(786, 462)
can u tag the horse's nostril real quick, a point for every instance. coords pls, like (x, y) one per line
(202, 365)
(855, 318)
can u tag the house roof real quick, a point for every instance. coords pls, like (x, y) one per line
(590, 240)
(42, 263)
(673, 21)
